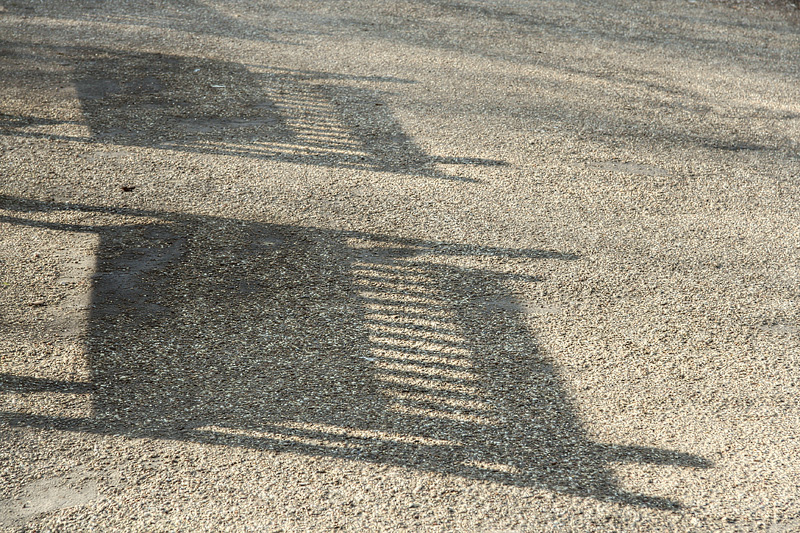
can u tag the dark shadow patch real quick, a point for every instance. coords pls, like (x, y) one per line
(27, 384)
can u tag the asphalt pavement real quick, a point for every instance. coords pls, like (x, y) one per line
(446, 265)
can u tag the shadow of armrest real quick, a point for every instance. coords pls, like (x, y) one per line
(474, 161)
(404, 247)
(655, 456)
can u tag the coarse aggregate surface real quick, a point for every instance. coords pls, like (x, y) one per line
(446, 265)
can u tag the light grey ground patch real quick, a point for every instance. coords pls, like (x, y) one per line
(45, 496)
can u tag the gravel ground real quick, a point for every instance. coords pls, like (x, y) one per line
(418, 265)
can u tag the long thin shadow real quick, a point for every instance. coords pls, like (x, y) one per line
(310, 370)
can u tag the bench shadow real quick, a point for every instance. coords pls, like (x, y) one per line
(327, 343)
(194, 105)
